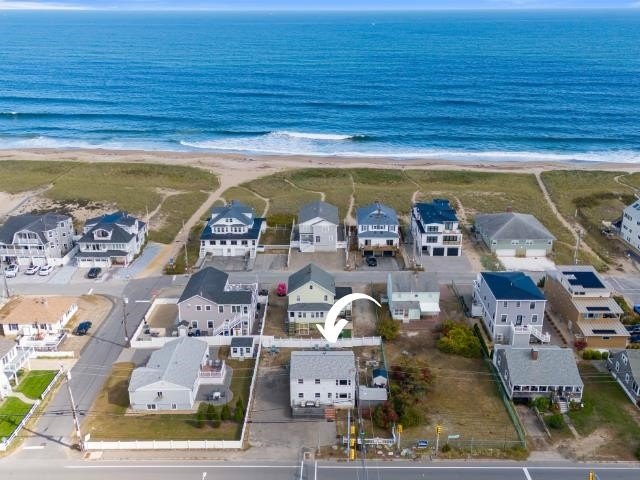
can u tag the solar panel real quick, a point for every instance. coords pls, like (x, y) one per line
(598, 309)
(604, 332)
(583, 279)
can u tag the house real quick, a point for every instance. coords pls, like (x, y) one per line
(580, 297)
(512, 234)
(624, 365)
(232, 231)
(312, 293)
(12, 359)
(172, 376)
(630, 226)
(546, 371)
(378, 230)
(242, 347)
(435, 229)
(37, 322)
(380, 377)
(369, 397)
(413, 295)
(318, 228)
(37, 239)
(211, 305)
(320, 379)
(113, 239)
(511, 306)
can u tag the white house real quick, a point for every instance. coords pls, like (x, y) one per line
(435, 229)
(12, 359)
(378, 230)
(109, 240)
(242, 347)
(630, 227)
(318, 228)
(413, 295)
(321, 379)
(173, 375)
(511, 306)
(37, 239)
(232, 231)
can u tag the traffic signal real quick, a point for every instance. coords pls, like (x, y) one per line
(592, 475)
(438, 429)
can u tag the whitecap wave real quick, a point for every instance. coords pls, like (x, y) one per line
(313, 136)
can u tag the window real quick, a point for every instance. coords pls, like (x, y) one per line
(300, 381)
(235, 308)
(329, 395)
(245, 309)
(210, 324)
(317, 239)
(534, 318)
(518, 304)
(504, 304)
(194, 324)
(317, 381)
(343, 382)
(220, 308)
(207, 308)
(532, 305)
(174, 406)
(317, 395)
(223, 242)
(234, 242)
(292, 314)
(198, 308)
(151, 406)
(326, 298)
(341, 395)
(503, 318)
(234, 350)
(160, 394)
(300, 395)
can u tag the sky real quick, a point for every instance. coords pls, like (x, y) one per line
(314, 4)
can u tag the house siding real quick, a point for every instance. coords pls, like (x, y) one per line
(318, 235)
(188, 312)
(622, 372)
(182, 397)
(630, 227)
(329, 392)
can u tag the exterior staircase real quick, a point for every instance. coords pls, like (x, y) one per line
(330, 414)
(542, 337)
(564, 406)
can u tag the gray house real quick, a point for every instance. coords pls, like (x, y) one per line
(232, 231)
(171, 378)
(211, 305)
(318, 228)
(625, 368)
(37, 239)
(511, 306)
(547, 371)
(413, 295)
(113, 239)
(378, 230)
(312, 293)
(512, 234)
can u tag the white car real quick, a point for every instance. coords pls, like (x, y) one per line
(46, 270)
(11, 271)
(32, 270)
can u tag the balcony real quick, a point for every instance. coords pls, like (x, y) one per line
(212, 373)
(43, 342)
(452, 242)
(532, 330)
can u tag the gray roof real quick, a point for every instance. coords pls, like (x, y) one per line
(372, 394)
(309, 307)
(311, 273)
(319, 209)
(120, 217)
(118, 234)
(242, 342)
(377, 234)
(634, 362)
(554, 366)
(34, 223)
(178, 362)
(414, 282)
(210, 283)
(376, 214)
(326, 365)
(512, 226)
(6, 346)
(234, 209)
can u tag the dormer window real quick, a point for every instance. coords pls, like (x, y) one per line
(101, 234)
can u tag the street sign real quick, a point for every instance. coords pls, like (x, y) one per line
(453, 437)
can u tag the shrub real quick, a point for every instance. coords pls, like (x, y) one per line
(638, 453)
(411, 417)
(592, 354)
(213, 416)
(555, 421)
(605, 355)
(384, 415)
(459, 339)
(580, 344)
(445, 448)
(542, 403)
(238, 413)
(200, 417)
(388, 328)
(225, 413)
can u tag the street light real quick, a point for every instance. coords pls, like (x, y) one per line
(125, 301)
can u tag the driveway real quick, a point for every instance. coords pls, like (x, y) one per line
(271, 423)
(270, 261)
(330, 261)
(530, 264)
(226, 264)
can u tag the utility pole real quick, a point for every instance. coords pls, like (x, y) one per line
(438, 432)
(74, 411)
(186, 240)
(125, 301)
(5, 290)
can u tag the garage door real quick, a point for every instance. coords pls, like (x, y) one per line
(536, 252)
(506, 252)
(438, 252)
(452, 252)
(389, 253)
(367, 253)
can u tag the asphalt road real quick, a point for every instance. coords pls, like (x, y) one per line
(152, 470)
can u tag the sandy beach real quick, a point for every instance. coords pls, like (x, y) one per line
(238, 168)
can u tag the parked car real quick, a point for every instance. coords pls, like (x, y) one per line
(94, 272)
(11, 270)
(636, 308)
(83, 328)
(46, 270)
(633, 328)
(372, 262)
(634, 338)
(281, 291)
(32, 270)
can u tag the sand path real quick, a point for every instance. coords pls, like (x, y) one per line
(322, 194)
(349, 219)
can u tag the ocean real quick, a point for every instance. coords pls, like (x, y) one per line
(493, 86)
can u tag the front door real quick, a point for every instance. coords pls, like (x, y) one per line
(519, 320)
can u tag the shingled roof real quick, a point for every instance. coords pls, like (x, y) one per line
(512, 226)
(311, 273)
(210, 283)
(319, 209)
(512, 286)
(34, 223)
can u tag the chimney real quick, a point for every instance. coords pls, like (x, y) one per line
(534, 354)
(509, 208)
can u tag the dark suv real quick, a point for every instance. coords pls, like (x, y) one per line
(372, 262)
(94, 272)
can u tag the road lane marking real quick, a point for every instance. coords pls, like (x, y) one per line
(90, 291)
(526, 473)
(95, 467)
(33, 447)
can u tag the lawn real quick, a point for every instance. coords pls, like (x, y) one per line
(245, 196)
(137, 188)
(35, 382)
(606, 406)
(12, 411)
(107, 420)
(593, 196)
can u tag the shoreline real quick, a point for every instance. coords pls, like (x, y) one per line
(273, 163)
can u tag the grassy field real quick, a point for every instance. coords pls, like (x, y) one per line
(35, 382)
(108, 421)
(607, 407)
(594, 196)
(12, 411)
(245, 196)
(137, 188)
